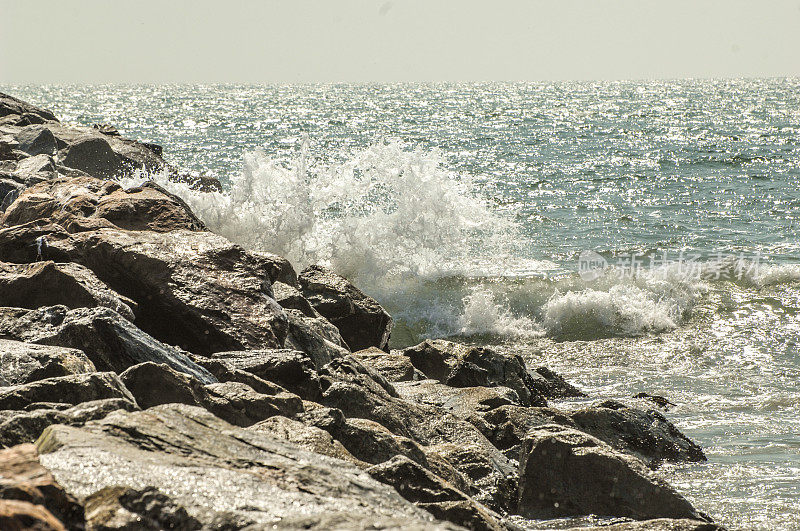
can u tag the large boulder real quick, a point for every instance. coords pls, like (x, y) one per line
(362, 322)
(109, 340)
(565, 472)
(36, 140)
(506, 426)
(31, 497)
(73, 389)
(22, 363)
(82, 203)
(645, 434)
(220, 475)
(50, 284)
(18, 112)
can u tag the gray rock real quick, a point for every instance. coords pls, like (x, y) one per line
(36, 140)
(73, 389)
(153, 384)
(93, 155)
(109, 340)
(315, 336)
(362, 322)
(552, 385)
(222, 476)
(507, 426)
(49, 284)
(10, 106)
(33, 170)
(392, 366)
(660, 524)
(290, 369)
(127, 508)
(418, 485)
(645, 434)
(26, 426)
(22, 363)
(565, 472)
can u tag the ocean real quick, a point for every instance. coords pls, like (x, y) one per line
(633, 236)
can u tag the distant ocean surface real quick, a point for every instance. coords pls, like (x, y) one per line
(465, 209)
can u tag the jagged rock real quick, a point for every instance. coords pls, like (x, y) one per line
(463, 402)
(460, 366)
(418, 485)
(128, 508)
(645, 434)
(9, 191)
(50, 284)
(107, 129)
(506, 426)
(82, 203)
(660, 401)
(225, 372)
(10, 106)
(36, 140)
(311, 438)
(565, 472)
(73, 389)
(372, 443)
(552, 385)
(315, 336)
(109, 340)
(290, 369)
(31, 498)
(33, 170)
(661, 524)
(26, 426)
(222, 476)
(22, 363)
(392, 366)
(153, 384)
(360, 319)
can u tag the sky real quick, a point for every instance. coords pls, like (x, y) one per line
(271, 41)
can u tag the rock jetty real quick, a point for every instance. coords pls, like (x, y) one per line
(154, 375)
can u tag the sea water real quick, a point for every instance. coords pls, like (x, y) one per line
(633, 236)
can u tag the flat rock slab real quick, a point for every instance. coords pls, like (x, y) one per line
(217, 473)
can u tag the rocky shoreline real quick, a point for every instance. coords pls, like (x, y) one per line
(156, 376)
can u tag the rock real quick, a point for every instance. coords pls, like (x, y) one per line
(128, 508)
(36, 140)
(418, 485)
(222, 476)
(225, 372)
(565, 472)
(31, 498)
(82, 203)
(315, 336)
(22, 363)
(311, 438)
(661, 524)
(460, 366)
(10, 105)
(33, 170)
(107, 129)
(9, 192)
(26, 426)
(463, 402)
(372, 443)
(93, 155)
(73, 389)
(50, 284)
(394, 367)
(645, 434)
(109, 340)
(506, 426)
(660, 401)
(360, 319)
(552, 385)
(153, 384)
(290, 369)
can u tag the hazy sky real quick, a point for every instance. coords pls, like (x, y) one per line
(146, 41)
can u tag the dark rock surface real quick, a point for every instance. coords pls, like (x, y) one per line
(73, 389)
(22, 363)
(109, 340)
(362, 322)
(565, 472)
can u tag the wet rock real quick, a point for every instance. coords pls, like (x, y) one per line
(107, 129)
(73, 389)
(315, 336)
(31, 497)
(464, 402)
(153, 384)
(392, 366)
(311, 438)
(93, 155)
(26, 426)
(22, 363)
(565, 472)
(290, 369)
(34, 170)
(362, 322)
(507, 426)
(50, 284)
(372, 443)
(109, 340)
(660, 401)
(645, 434)
(81, 203)
(36, 140)
(552, 385)
(418, 485)
(222, 476)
